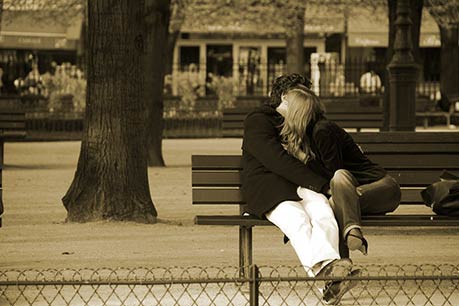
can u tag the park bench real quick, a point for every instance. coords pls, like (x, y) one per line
(427, 108)
(415, 159)
(347, 113)
(12, 127)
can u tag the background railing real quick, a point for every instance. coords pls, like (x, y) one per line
(377, 285)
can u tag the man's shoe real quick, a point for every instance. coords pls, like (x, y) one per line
(335, 290)
(336, 268)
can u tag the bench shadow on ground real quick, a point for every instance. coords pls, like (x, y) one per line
(24, 167)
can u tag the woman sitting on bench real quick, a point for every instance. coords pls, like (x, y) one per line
(358, 185)
(287, 192)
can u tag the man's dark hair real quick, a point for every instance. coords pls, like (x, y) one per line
(284, 83)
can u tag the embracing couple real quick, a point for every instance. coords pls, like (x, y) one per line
(308, 177)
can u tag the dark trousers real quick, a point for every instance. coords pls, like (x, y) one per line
(350, 201)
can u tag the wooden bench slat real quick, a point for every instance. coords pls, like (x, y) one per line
(236, 133)
(12, 117)
(12, 125)
(359, 124)
(406, 137)
(331, 108)
(385, 220)
(233, 125)
(7, 135)
(238, 110)
(354, 117)
(216, 161)
(216, 196)
(232, 177)
(234, 117)
(399, 161)
(422, 161)
(408, 148)
(205, 178)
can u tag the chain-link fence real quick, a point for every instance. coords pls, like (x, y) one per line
(265, 285)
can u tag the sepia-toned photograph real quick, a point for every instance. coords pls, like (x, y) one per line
(229, 152)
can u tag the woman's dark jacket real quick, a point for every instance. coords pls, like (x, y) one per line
(270, 175)
(337, 150)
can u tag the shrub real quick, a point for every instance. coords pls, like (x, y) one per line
(224, 89)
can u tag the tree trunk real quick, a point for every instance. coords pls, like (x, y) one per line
(415, 15)
(111, 180)
(295, 39)
(449, 78)
(81, 47)
(157, 26)
(171, 40)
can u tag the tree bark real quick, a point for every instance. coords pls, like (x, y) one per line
(415, 15)
(111, 180)
(449, 78)
(157, 26)
(294, 43)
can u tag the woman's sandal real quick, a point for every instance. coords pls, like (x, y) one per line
(357, 242)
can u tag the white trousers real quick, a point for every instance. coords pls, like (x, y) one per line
(311, 227)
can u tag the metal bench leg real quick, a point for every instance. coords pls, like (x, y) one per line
(245, 250)
(2, 147)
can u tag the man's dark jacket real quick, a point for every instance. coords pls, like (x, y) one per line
(270, 175)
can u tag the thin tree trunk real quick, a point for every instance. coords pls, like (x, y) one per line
(111, 180)
(172, 39)
(157, 26)
(449, 78)
(295, 39)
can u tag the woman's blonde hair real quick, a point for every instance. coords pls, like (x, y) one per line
(304, 107)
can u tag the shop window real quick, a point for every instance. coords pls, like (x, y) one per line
(219, 64)
(189, 58)
(249, 69)
(276, 64)
(14, 65)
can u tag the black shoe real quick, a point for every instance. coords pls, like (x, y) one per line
(362, 246)
(335, 290)
(336, 268)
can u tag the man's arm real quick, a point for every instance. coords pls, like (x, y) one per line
(261, 140)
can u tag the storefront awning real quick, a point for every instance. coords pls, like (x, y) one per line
(37, 30)
(373, 32)
(381, 40)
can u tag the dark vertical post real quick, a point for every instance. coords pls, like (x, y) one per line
(403, 72)
(254, 285)
(245, 249)
(1, 173)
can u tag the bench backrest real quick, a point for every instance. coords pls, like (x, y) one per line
(12, 124)
(346, 113)
(415, 159)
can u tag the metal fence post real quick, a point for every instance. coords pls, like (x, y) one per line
(254, 285)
